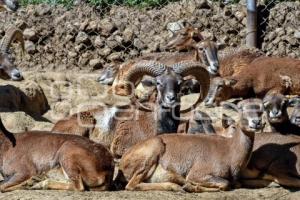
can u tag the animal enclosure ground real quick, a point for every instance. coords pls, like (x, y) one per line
(245, 194)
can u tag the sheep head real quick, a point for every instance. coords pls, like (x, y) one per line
(275, 105)
(7, 68)
(169, 80)
(220, 90)
(250, 114)
(191, 38)
(185, 38)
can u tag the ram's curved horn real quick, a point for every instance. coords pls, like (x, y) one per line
(11, 35)
(200, 73)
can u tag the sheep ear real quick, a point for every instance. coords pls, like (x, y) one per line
(227, 121)
(230, 82)
(266, 104)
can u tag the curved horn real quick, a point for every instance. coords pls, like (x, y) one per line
(140, 69)
(11, 35)
(197, 70)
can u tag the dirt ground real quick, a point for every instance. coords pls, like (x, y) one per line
(245, 194)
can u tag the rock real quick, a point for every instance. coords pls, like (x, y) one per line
(33, 98)
(297, 34)
(17, 121)
(83, 25)
(99, 42)
(174, 27)
(26, 96)
(280, 31)
(105, 51)
(107, 27)
(30, 34)
(119, 39)
(82, 38)
(61, 110)
(276, 41)
(138, 44)
(83, 61)
(291, 40)
(203, 4)
(79, 47)
(92, 26)
(116, 56)
(44, 10)
(271, 36)
(207, 34)
(111, 43)
(227, 12)
(72, 54)
(128, 35)
(96, 63)
(240, 15)
(133, 53)
(30, 47)
(21, 24)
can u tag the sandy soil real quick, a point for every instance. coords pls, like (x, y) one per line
(244, 194)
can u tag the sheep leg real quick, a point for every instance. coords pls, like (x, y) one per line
(199, 181)
(287, 180)
(207, 184)
(54, 185)
(73, 173)
(255, 183)
(164, 183)
(135, 180)
(17, 181)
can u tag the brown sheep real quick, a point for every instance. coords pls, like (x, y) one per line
(85, 164)
(280, 75)
(168, 162)
(233, 60)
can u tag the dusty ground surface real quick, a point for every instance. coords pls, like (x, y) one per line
(245, 194)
